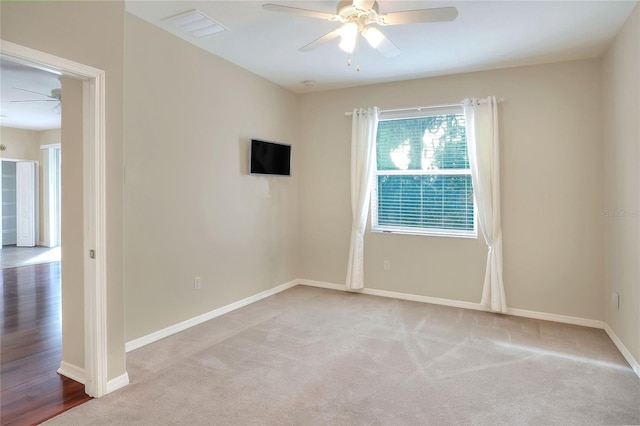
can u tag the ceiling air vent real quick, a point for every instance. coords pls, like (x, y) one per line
(195, 23)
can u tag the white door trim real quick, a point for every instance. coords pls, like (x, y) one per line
(51, 195)
(26, 196)
(94, 182)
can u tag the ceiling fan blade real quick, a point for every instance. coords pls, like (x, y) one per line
(31, 91)
(297, 11)
(388, 48)
(440, 14)
(363, 4)
(37, 100)
(317, 42)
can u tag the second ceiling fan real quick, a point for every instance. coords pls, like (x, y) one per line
(55, 96)
(357, 17)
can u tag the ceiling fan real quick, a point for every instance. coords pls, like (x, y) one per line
(357, 17)
(55, 96)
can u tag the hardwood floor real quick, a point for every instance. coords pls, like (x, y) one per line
(31, 348)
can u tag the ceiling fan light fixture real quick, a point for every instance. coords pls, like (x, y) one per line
(357, 15)
(348, 35)
(373, 36)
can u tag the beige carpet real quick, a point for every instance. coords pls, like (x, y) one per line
(314, 356)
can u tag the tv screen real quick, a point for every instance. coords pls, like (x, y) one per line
(269, 158)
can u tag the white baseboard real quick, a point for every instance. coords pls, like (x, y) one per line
(396, 295)
(424, 299)
(565, 319)
(117, 383)
(72, 371)
(176, 328)
(459, 304)
(623, 349)
(76, 373)
(322, 284)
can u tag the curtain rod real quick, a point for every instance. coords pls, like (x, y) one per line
(420, 108)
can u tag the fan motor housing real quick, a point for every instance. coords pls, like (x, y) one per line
(348, 11)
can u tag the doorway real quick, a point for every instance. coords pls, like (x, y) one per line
(43, 246)
(94, 374)
(31, 118)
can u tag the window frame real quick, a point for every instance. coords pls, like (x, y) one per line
(406, 230)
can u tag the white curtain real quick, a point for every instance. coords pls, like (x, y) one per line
(484, 158)
(363, 137)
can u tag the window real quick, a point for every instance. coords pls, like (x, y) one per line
(423, 180)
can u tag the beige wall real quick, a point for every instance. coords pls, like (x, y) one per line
(21, 144)
(621, 112)
(550, 130)
(47, 137)
(72, 237)
(191, 209)
(91, 33)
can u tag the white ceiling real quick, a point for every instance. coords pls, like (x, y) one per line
(486, 35)
(27, 115)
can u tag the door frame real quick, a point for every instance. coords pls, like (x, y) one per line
(94, 191)
(51, 186)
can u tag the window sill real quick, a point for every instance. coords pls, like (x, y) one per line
(426, 233)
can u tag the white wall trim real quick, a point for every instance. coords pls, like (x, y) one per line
(424, 299)
(460, 304)
(17, 160)
(565, 319)
(50, 190)
(51, 146)
(181, 326)
(118, 383)
(322, 284)
(95, 269)
(72, 371)
(396, 295)
(623, 350)
(76, 373)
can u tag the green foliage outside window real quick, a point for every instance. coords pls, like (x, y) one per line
(428, 183)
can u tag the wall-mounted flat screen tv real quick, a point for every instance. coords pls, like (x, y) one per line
(269, 158)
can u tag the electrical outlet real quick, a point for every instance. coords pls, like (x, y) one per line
(615, 300)
(386, 265)
(197, 283)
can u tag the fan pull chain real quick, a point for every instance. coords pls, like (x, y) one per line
(357, 53)
(349, 64)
